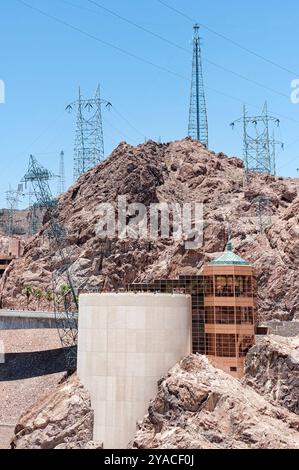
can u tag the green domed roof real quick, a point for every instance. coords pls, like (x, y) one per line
(229, 258)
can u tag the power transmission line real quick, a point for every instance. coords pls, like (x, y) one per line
(119, 131)
(142, 28)
(43, 132)
(101, 41)
(127, 121)
(173, 44)
(91, 36)
(119, 49)
(235, 43)
(289, 161)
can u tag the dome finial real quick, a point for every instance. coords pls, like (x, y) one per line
(229, 245)
(229, 238)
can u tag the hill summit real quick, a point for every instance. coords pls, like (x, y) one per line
(177, 172)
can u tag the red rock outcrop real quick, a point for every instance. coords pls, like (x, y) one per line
(272, 369)
(196, 407)
(182, 171)
(199, 407)
(62, 419)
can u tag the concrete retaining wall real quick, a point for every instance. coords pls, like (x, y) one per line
(13, 320)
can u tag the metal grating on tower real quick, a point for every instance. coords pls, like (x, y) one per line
(34, 215)
(67, 309)
(61, 174)
(198, 119)
(13, 197)
(259, 144)
(89, 141)
(263, 208)
(39, 179)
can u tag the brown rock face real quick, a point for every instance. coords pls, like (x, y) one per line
(63, 419)
(199, 407)
(272, 369)
(178, 172)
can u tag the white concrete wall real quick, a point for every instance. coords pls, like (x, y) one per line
(126, 343)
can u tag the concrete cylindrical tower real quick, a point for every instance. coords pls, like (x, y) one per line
(126, 343)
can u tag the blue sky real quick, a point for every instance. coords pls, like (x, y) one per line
(42, 63)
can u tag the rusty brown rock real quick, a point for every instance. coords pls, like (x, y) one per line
(182, 171)
(272, 369)
(199, 407)
(62, 419)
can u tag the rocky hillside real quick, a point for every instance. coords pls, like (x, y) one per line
(272, 369)
(199, 407)
(196, 406)
(182, 171)
(4, 242)
(63, 419)
(20, 221)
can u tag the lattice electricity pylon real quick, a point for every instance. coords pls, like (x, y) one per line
(259, 147)
(89, 140)
(34, 215)
(39, 177)
(66, 319)
(13, 197)
(198, 118)
(263, 208)
(66, 313)
(61, 181)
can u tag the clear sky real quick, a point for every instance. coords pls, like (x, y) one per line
(43, 61)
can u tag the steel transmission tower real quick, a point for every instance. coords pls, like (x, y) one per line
(34, 216)
(198, 119)
(13, 197)
(263, 207)
(66, 311)
(259, 144)
(61, 181)
(89, 141)
(39, 179)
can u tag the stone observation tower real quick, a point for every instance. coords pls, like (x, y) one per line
(230, 311)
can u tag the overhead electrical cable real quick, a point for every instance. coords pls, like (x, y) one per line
(232, 41)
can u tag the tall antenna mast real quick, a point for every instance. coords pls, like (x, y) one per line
(198, 119)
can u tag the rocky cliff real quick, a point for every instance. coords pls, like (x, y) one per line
(272, 369)
(177, 172)
(199, 407)
(63, 419)
(196, 406)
